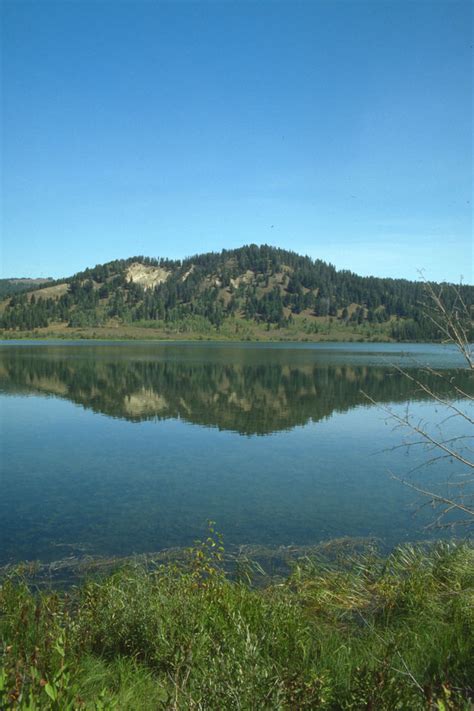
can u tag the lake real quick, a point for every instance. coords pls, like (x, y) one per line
(120, 448)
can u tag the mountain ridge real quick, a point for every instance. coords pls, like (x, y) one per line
(261, 287)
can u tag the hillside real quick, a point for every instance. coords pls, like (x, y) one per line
(253, 291)
(8, 287)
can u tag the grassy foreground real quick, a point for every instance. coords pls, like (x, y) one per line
(365, 633)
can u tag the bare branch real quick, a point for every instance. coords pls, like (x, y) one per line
(453, 318)
(451, 322)
(435, 497)
(425, 388)
(419, 430)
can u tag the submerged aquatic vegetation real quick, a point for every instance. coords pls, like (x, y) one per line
(365, 632)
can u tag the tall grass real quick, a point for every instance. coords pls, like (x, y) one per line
(369, 633)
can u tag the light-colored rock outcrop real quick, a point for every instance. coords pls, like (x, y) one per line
(145, 275)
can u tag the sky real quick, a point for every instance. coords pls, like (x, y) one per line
(338, 129)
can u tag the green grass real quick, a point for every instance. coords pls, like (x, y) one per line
(365, 633)
(302, 328)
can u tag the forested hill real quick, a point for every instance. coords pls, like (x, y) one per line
(8, 287)
(273, 288)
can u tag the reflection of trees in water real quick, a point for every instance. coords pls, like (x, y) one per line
(250, 398)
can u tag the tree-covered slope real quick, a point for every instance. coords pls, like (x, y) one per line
(262, 284)
(8, 287)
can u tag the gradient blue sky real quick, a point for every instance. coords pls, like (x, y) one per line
(342, 130)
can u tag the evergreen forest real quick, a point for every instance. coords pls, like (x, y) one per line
(273, 288)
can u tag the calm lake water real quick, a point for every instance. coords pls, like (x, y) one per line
(119, 448)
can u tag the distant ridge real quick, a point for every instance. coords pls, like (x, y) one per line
(17, 284)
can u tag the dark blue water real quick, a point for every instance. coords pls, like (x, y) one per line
(111, 449)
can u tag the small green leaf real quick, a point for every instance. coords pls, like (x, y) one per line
(51, 691)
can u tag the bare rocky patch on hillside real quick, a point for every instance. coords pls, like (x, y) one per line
(146, 276)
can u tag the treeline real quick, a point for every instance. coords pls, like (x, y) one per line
(261, 283)
(8, 287)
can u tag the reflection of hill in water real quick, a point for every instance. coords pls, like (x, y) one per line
(244, 395)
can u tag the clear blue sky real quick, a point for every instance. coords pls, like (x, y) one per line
(337, 129)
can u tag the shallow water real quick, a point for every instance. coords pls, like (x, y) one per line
(116, 448)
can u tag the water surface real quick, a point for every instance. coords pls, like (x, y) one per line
(116, 448)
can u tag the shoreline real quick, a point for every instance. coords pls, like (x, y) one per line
(165, 337)
(360, 631)
(271, 561)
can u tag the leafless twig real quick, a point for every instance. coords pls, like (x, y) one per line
(453, 318)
